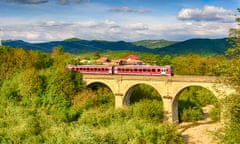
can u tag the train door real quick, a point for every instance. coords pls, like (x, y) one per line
(163, 71)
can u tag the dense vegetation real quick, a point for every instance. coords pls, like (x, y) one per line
(231, 69)
(154, 43)
(42, 102)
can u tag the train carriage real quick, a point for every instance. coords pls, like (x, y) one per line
(143, 70)
(91, 69)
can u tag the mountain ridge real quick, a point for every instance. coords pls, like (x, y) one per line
(200, 46)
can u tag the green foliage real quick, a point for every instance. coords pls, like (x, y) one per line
(192, 114)
(230, 72)
(94, 118)
(215, 113)
(59, 49)
(196, 65)
(191, 101)
(120, 126)
(31, 82)
(143, 91)
(151, 110)
(154, 43)
(9, 92)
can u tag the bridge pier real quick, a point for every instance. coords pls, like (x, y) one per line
(119, 98)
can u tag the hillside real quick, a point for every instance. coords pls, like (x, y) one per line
(154, 43)
(204, 47)
(78, 46)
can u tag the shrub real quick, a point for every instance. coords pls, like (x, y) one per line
(149, 110)
(215, 113)
(192, 114)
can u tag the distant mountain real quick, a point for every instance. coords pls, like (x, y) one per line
(75, 45)
(154, 43)
(204, 47)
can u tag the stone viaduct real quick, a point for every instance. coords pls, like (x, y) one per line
(168, 87)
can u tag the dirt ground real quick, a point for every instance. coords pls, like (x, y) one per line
(200, 132)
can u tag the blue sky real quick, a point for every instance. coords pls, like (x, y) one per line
(114, 20)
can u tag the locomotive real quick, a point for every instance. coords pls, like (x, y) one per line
(123, 69)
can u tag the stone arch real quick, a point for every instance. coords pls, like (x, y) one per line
(100, 82)
(175, 116)
(129, 90)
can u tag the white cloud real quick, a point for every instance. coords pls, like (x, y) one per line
(129, 10)
(208, 13)
(114, 31)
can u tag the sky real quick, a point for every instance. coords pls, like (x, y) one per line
(116, 20)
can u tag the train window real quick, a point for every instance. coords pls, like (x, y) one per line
(127, 70)
(140, 70)
(153, 70)
(135, 70)
(95, 69)
(99, 69)
(119, 69)
(144, 70)
(106, 69)
(102, 69)
(149, 70)
(166, 69)
(158, 70)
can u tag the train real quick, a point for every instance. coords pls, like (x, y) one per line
(123, 69)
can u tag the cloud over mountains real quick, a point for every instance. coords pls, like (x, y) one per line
(208, 13)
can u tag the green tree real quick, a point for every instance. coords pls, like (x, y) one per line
(31, 86)
(231, 73)
(97, 55)
(234, 39)
(58, 49)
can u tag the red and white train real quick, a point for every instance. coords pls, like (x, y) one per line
(123, 69)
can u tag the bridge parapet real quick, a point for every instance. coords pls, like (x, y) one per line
(181, 78)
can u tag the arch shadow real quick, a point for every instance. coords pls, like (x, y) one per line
(130, 95)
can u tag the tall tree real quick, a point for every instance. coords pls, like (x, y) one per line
(234, 38)
(231, 132)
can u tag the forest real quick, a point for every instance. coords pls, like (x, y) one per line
(42, 102)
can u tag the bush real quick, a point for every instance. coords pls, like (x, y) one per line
(215, 113)
(5, 140)
(191, 100)
(192, 114)
(137, 131)
(96, 118)
(151, 110)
